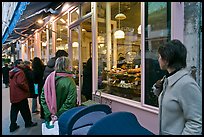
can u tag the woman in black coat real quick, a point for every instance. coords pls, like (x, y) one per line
(38, 70)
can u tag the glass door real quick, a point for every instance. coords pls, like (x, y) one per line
(80, 53)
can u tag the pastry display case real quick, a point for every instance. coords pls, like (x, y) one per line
(124, 83)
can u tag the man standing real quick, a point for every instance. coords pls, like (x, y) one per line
(19, 92)
(5, 72)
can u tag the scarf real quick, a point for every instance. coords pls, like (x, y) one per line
(50, 92)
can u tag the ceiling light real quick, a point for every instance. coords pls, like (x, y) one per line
(75, 44)
(59, 39)
(119, 34)
(83, 29)
(40, 21)
(120, 16)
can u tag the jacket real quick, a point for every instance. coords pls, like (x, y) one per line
(180, 105)
(29, 76)
(19, 89)
(66, 96)
(49, 68)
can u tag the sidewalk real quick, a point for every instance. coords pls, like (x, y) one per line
(6, 118)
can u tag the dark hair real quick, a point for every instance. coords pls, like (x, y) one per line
(18, 61)
(37, 63)
(61, 53)
(175, 53)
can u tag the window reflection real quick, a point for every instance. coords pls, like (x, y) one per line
(157, 32)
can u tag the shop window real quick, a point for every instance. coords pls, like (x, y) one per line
(86, 8)
(74, 15)
(50, 43)
(62, 34)
(119, 59)
(157, 32)
(43, 46)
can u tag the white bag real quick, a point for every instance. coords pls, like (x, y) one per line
(53, 130)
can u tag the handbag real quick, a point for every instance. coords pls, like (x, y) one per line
(50, 128)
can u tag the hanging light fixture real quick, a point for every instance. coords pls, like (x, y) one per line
(119, 34)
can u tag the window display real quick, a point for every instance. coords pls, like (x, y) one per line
(119, 61)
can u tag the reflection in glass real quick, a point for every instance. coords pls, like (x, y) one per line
(157, 32)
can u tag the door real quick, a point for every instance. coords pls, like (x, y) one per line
(80, 52)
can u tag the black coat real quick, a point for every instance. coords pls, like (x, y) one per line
(5, 72)
(29, 76)
(49, 68)
(87, 80)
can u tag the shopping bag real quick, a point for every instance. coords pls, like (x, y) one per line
(48, 128)
(36, 88)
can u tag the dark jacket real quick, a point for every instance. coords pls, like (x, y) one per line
(18, 85)
(29, 76)
(87, 80)
(38, 78)
(5, 72)
(49, 68)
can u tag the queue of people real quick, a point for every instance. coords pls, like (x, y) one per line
(179, 113)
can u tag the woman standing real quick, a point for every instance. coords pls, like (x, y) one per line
(59, 92)
(180, 100)
(38, 70)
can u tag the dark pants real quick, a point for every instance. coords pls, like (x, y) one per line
(23, 107)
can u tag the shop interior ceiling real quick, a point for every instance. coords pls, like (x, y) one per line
(28, 20)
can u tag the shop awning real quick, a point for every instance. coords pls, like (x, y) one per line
(21, 6)
(25, 18)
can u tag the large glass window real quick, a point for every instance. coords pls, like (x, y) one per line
(86, 8)
(74, 15)
(31, 47)
(157, 32)
(62, 34)
(43, 46)
(50, 43)
(119, 43)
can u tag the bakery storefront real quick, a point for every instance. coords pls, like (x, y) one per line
(122, 38)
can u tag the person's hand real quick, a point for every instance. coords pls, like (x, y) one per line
(159, 83)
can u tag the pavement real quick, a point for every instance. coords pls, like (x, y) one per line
(6, 117)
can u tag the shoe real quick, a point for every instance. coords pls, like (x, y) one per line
(14, 129)
(31, 125)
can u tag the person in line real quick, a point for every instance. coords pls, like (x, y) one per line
(180, 97)
(59, 91)
(19, 92)
(5, 73)
(87, 80)
(29, 76)
(38, 70)
(51, 63)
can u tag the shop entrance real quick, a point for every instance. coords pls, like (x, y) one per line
(80, 45)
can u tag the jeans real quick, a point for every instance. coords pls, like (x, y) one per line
(34, 104)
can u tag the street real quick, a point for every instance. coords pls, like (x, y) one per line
(6, 118)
